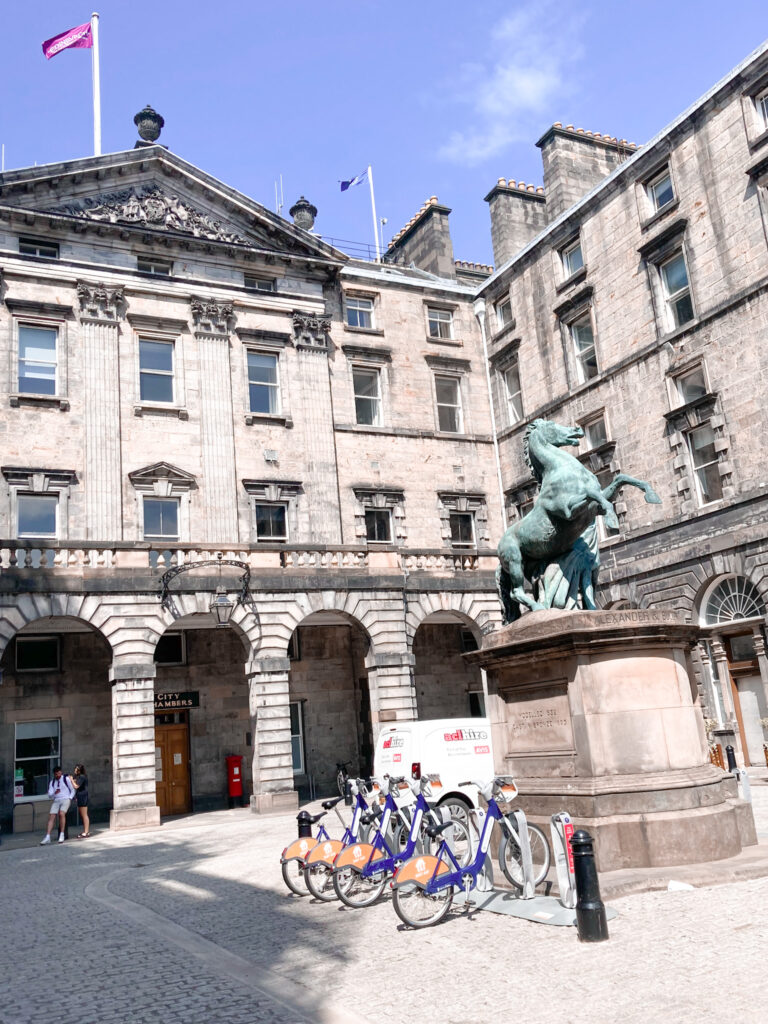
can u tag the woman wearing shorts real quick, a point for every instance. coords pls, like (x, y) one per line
(80, 782)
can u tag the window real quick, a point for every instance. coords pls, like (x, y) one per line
(524, 507)
(263, 384)
(660, 190)
(674, 277)
(271, 523)
(701, 444)
(297, 737)
(462, 529)
(170, 649)
(731, 600)
(691, 385)
(378, 525)
(503, 313)
(37, 653)
(37, 360)
(440, 323)
(513, 393)
(38, 751)
(36, 247)
(161, 518)
(260, 284)
(476, 704)
(584, 347)
(367, 396)
(155, 370)
(37, 515)
(595, 433)
(468, 641)
(604, 532)
(448, 393)
(360, 313)
(572, 258)
(152, 265)
(761, 102)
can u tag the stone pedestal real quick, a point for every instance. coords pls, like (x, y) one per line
(596, 713)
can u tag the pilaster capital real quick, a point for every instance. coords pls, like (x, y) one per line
(212, 318)
(121, 672)
(268, 667)
(394, 659)
(99, 303)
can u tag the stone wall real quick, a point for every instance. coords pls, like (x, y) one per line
(441, 676)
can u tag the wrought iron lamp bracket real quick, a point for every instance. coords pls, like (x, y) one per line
(244, 597)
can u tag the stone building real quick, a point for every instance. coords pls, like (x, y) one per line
(190, 378)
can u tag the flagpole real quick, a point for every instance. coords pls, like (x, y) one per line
(96, 85)
(375, 221)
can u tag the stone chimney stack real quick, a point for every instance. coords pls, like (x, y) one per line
(575, 161)
(518, 214)
(425, 241)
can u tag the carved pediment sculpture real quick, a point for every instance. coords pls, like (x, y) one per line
(149, 206)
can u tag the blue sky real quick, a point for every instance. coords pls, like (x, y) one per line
(441, 98)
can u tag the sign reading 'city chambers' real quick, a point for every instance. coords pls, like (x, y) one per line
(173, 701)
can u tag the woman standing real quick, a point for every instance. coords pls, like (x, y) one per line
(80, 782)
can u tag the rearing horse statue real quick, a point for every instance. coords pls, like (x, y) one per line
(555, 544)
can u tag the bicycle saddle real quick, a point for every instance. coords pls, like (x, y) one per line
(314, 818)
(330, 804)
(433, 831)
(371, 815)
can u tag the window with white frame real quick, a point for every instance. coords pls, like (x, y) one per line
(690, 385)
(572, 257)
(660, 190)
(37, 515)
(503, 313)
(677, 291)
(263, 383)
(37, 752)
(448, 396)
(154, 265)
(761, 104)
(583, 338)
(367, 388)
(701, 445)
(39, 247)
(161, 518)
(462, 526)
(464, 519)
(297, 736)
(513, 393)
(595, 433)
(359, 312)
(155, 370)
(259, 284)
(271, 522)
(439, 323)
(38, 360)
(378, 525)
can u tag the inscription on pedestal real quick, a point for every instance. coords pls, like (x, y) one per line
(539, 720)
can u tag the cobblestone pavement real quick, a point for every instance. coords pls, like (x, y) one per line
(192, 922)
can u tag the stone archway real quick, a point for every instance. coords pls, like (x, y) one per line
(446, 685)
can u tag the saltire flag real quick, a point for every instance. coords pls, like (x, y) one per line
(354, 181)
(80, 36)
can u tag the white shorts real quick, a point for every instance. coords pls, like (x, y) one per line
(60, 806)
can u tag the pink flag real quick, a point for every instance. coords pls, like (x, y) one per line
(80, 36)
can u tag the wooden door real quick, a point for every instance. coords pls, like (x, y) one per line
(174, 795)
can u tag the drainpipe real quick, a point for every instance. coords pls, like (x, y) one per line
(478, 308)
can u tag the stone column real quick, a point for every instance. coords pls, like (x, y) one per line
(219, 476)
(391, 687)
(724, 677)
(762, 659)
(101, 310)
(133, 746)
(321, 473)
(271, 730)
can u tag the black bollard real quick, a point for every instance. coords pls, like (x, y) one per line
(304, 821)
(348, 793)
(590, 911)
(731, 758)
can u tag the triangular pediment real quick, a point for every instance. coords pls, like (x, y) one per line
(152, 190)
(162, 478)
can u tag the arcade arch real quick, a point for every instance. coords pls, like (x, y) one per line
(447, 686)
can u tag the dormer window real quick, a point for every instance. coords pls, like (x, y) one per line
(38, 247)
(660, 190)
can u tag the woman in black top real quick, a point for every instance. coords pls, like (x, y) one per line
(80, 782)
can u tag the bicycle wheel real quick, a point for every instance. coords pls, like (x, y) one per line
(293, 876)
(355, 890)
(319, 879)
(419, 909)
(511, 861)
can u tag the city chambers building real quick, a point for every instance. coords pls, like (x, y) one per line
(250, 486)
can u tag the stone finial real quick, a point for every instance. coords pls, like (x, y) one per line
(303, 213)
(149, 123)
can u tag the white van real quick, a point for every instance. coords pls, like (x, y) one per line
(457, 749)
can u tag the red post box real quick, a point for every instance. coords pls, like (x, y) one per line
(235, 777)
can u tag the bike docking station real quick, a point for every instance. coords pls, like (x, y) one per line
(527, 904)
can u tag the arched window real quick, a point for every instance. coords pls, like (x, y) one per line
(732, 599)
